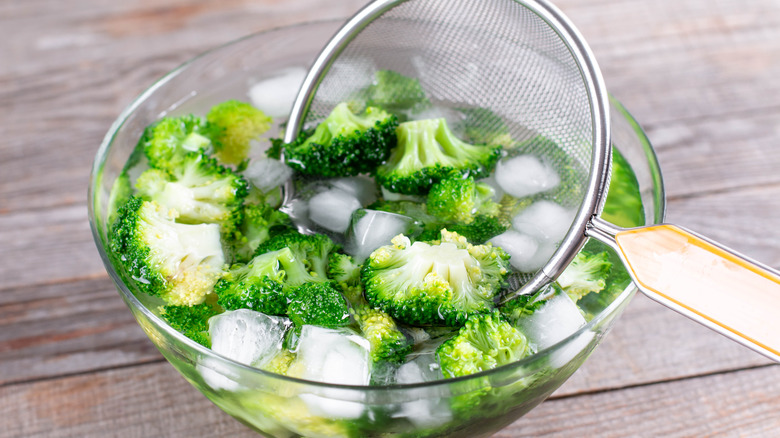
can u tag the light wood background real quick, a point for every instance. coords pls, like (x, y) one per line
(702, 77)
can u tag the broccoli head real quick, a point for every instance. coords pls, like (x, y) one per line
(233, 125)
(168, 140)
(585, 274)
(259, 284)
(481, 229)
(317, 303)
(343, 270)
(313, 250)
(258, 222)
(458, 199)
(178, 262)
(387, 342)
(434, 283)
(396, 93)
(199, 189)
(192, 321)
(485, 342)
(344, 144)
(427, 152)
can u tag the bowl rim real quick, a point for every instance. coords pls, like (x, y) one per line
(208, 355)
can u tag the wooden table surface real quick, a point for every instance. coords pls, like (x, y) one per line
(701, 76)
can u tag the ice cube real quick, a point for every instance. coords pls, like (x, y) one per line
(248, 337)
(545, 220)
(332, 209)
(556, 320)
(361, 187)
(275, 95)
(332, 356)
(525, 175)
(267, 173)
(372, 229)
(522, 250)
(431, 409)
(423, 368)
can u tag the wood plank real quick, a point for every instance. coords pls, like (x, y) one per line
(742, 403)
(44, 246)
(718, 154)
(145, 401)
(668, 60)
(68, 328)
(152, 400)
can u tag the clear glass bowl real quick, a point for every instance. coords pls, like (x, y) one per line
(279, 406)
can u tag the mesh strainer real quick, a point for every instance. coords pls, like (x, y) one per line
(526, 63)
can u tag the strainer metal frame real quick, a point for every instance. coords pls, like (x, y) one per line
(598, 101)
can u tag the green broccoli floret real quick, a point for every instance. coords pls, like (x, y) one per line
(346, 273)
(192, 321)
(396, 93)
(483, 126)
(485, 342)
(585, 274)
(280, 363)
(344, 144)
(481, 229)
(259, 285)
(427, 152)
(623, 206)
(177, 262)
(436, 283)
(312, 249)
(258, 223)
(388, 343)
(168, 140)
(233, 125)
(317, 303)
(199, 189)
(458, 199)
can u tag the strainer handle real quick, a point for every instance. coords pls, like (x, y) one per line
(705, 281)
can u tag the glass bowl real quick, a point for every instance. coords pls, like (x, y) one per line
(280, 406)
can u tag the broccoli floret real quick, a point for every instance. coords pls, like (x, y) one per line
(427, 151)
(317, 303)
(585, 274)
(168, 140)
(344, 144)
(199, 189)
(388, 343)
(280, 363)
(441, 282)
(233, 125)
(623, 206)
(258, 222)
(481, 229)
(458, 199)
(192, 321)
(177, 262)
(346, 273)
(485, 342)
(396, 93)
(259, 284)
(312, 249)
(483, 126)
